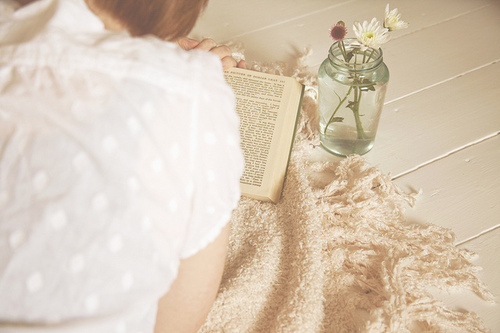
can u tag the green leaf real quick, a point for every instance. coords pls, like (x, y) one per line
(367, 85)
(340, 99)
(349, 56)
(336, 120)
(352, 105)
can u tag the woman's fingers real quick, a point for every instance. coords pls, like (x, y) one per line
(242, 64)
(187, 43)
(228, 62)
(222, 51)
(208, 44)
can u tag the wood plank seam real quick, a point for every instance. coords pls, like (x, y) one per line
(482, 233)
(291, 19)
(442, 81)
(441, 22)
(454, 151)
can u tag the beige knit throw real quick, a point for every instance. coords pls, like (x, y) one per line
(336, 254)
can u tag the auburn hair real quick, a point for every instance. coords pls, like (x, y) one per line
(167, 19)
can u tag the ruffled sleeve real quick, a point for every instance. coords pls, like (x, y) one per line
(218, 161)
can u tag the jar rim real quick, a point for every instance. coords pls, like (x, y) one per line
(335, 56)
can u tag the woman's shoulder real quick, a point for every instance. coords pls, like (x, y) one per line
(81, 43)
(161, 62)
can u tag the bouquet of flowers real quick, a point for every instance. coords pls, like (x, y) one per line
(370, 36)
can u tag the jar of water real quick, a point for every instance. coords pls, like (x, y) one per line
(352, 83)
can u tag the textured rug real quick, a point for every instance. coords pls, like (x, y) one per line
(336, 254)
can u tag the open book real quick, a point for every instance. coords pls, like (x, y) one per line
(268, 106)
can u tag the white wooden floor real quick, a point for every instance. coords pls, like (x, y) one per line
(440, 129)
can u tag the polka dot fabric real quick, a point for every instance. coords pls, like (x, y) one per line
(119, 157)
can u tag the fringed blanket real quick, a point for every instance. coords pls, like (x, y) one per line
(336, 254)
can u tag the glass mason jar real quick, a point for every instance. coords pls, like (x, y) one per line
(351, 85)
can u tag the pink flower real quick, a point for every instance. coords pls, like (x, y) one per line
(338, 31)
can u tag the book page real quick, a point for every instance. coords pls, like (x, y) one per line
(261, 103)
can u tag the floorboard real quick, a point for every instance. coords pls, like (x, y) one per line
(459, 192)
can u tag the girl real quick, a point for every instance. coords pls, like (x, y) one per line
(119, 166)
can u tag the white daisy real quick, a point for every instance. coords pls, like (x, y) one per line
(393, 20)
(371, 34)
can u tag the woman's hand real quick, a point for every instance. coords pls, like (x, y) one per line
(223, 51)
